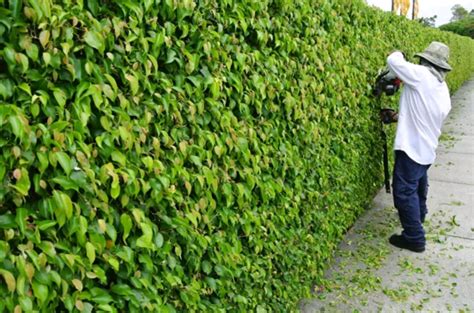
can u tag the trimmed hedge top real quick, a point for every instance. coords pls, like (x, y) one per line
(187, 155)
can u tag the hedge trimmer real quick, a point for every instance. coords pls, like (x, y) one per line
(388, 83)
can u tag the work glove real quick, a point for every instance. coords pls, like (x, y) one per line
(388, 116)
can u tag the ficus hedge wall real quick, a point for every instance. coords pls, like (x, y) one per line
(166, 155)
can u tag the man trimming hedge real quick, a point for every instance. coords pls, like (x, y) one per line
(424, 105)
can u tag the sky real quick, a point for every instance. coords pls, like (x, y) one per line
(428, 8)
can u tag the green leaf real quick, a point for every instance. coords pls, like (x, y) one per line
(90, 251)
(111, 232)
(2, 171)
(164, 181)
(115, 187)
(96, 94)
(48, 248)
(114, 263)
(112, 82)
(33, 52)
(17, 126)
(93, 6)
(15, 7)
(159, 240)
(7, 221)
(43, 160)
(133, 83)
(9, 279)
(6, 88)
(100, 296)
(127, 224)
(126, 254)
(23, 60)
(4, 249)
(196, 160)
(206, 267)
(145, 241)
(69, 259)
(25, 303)
(60, 96)
(119, 157)
(25, 87)
(122, 290)
(43, 225)
(95, 40)
(40, 291)
(44, 37)
(21, 215)
(46, 58)
(64, 161)
(23, 184)
(9, 55)
(66, 183)
(77, 284)
(62, 207)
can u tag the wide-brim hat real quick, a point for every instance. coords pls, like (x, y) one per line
(437, 54)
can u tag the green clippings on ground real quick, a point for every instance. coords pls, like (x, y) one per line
(435, 293)
(441, 224)
(453, 221)
(434, 269)
(351, 283)
(446, 137)
(448, 140)
(406, 264)
(358, 278)
(355, 273)
(454, 294)
(437, 238)
(416, 307)
(397, 295)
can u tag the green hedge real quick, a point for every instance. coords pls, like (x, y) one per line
(187, 155)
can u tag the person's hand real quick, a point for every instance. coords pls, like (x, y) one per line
(388, 116)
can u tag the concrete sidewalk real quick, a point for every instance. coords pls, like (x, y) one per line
(370, 275)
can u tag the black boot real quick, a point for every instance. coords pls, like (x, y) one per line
(400, 242)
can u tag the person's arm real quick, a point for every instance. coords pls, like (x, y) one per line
(406, 71)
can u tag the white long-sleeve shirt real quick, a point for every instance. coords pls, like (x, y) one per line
(424, 104)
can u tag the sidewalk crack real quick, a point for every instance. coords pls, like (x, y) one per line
(456, 236)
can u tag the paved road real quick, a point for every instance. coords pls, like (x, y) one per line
(369, 275)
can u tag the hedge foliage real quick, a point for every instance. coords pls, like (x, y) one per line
(186, 155)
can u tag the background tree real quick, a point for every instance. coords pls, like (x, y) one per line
(462, 22)
(459, 12)
(428, 21)
(464, 27)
